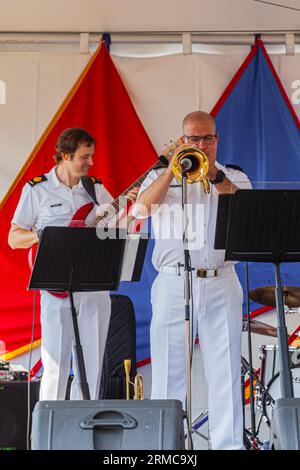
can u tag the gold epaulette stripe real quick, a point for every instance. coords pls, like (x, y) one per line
(37, 179)
(95, 180)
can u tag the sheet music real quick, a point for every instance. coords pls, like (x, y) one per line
(130, 254)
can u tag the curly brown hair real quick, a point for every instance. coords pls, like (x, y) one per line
(70, 140)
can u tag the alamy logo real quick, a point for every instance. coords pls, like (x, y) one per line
(296, 93)
(2, 92)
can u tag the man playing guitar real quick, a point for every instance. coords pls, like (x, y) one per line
(53, 199)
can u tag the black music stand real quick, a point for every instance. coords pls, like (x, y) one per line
(225, 205)
(75, 259)
(258, 229)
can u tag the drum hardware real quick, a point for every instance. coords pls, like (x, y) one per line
(274, 390)
(246, 434)
(269, 389)
(280, 296)
(266, 296)
(257, 388)
(269, 356)
(251, 440)
(260, 328)
(199, 421)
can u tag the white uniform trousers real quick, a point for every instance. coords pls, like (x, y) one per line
(217, 318)
(93, 315)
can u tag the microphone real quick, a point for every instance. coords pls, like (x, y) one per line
(186, 163)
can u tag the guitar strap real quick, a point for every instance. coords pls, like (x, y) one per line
(88, 182)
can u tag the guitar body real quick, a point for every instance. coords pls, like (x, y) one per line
(78, 220)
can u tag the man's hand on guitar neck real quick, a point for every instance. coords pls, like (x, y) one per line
(132, 194)
(120, 219)
(125, 216)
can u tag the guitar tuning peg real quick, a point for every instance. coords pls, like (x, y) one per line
(174, 143)
(170, 147)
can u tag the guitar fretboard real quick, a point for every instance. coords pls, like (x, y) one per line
(120, 203)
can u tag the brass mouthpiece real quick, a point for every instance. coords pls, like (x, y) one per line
(127, 366)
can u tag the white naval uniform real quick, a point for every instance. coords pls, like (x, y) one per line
(217, 312)
(46, 203)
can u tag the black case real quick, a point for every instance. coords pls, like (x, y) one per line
(120, 345)
(108, 425)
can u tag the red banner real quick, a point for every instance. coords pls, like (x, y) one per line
(99, 103)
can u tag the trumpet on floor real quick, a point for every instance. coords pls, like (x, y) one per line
(137, 384)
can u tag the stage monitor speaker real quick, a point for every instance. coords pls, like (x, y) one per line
(14, 413)
(108, 425)
(285, 424)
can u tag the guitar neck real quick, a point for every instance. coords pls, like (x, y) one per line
(120, 203)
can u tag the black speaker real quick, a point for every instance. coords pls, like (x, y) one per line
(108, 425)
(14, 413)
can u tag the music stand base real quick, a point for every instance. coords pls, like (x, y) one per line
(285, 424)
(78, 353)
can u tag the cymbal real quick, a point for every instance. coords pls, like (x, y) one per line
(260, 328)
(266, 296)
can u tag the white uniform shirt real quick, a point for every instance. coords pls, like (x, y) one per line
(168, 250)
(53, 203)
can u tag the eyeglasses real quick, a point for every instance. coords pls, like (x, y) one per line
(196, 139)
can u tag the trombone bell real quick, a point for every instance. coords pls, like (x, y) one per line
(198, 171)
(138, 387)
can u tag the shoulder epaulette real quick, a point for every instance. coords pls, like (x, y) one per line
(235, 167)
(37, 179)
(95, 180)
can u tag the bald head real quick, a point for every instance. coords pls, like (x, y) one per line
(198, 117)
(199, 124)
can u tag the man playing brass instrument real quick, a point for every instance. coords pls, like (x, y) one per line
(217, 295)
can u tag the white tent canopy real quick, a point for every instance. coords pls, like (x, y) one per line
(145, 16)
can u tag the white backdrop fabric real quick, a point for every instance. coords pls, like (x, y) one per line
(162, 89)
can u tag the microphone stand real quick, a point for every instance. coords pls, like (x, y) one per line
(187, 297)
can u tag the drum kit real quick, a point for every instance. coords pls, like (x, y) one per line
(266, 379)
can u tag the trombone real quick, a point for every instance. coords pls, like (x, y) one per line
(198, 170)
(137, 384)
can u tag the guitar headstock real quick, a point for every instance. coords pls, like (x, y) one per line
(170, 149)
